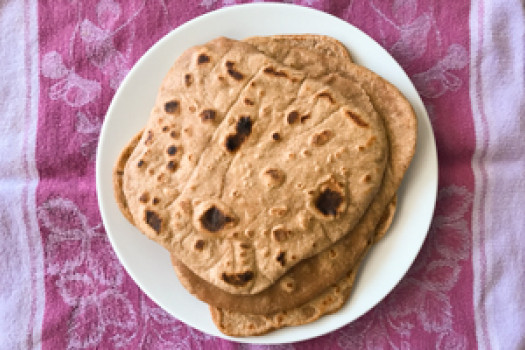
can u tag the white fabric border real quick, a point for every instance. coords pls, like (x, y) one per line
(22, 295)
(497, 84)
(34, 235)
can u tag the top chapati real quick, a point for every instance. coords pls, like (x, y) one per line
(248, 166)
(307, 52)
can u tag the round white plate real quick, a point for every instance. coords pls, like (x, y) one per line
(149, 264)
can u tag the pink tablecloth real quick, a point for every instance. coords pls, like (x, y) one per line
(61, 285)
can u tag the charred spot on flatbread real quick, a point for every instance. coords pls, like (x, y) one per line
(328, 202)
(153, 220)
(243, 130)
(172, 107)
(237, 279)
(214, 220)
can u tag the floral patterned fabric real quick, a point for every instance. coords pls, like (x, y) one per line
(62, 286)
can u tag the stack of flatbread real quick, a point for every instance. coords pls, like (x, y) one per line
(267, 168)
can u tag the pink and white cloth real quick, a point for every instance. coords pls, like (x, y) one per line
(61, 286)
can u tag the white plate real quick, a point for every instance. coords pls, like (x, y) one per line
(149, 264)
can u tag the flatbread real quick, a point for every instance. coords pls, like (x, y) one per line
(118, 174)
(287, 293)
(238, 324)
(400, 122)
(400, 116)
(219, 234)
(402, 159)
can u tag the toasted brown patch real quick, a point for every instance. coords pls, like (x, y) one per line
(356, 118)
(281, 258)
(273, 177)
(320, 138)
(244, 129)
(144, 198)
(149, 139)
(274, 72)
(214, 220)
(188, 79)
(292, 117)
(237, 279)
(328, 202)
(172, 107)
(326, 94)
(153, 220)
(199, 245)
(304, 118)
(287, 284)
(172, 165)
(208, 115)
(232, 72)
(281, 234)
(203, 58)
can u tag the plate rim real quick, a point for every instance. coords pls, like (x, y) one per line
(423, 122)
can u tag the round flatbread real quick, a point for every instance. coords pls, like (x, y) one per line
(246, 166)
(401, 126)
